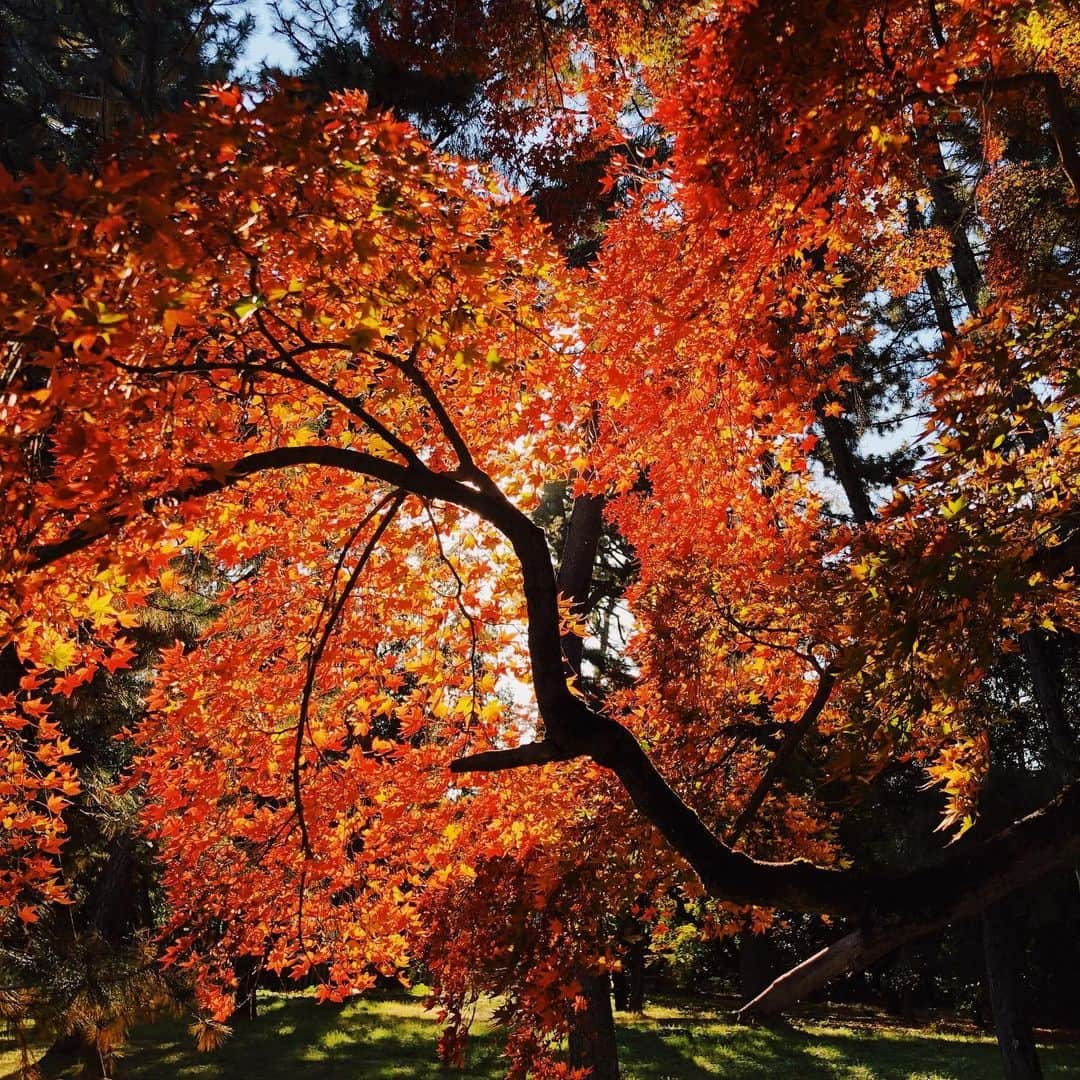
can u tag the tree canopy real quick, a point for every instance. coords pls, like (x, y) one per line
(294, 341)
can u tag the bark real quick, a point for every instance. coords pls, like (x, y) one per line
(1044, 664)
(620, 989)
(636, 976)
(592, 1034)
(629, 984)
(836, 435)
(953, 216)
(939, 296)
(756, 964)
(67, 1051)
(593, 1043)
(11, 669)
(1061, 128)
(576, 567)
(1004, 953)
(247, 970)
(848, 954)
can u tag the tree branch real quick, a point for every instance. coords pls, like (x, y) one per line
(795, 735)
(535, 753)
(416, 479)
(963, 884)
(393, 503)
(932, 897)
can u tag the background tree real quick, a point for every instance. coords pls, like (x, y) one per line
(75, 74)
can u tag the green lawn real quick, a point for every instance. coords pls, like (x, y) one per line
(383, 1037)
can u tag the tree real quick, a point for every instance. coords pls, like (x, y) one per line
(285, 307)
(77, 74)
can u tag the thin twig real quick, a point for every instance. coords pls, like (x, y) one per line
(394, 501)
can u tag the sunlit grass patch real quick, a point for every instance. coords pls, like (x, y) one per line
(392, 1037)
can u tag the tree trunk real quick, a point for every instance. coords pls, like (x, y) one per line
(1004, 970)
(592, 1031)
(954, 217)
(247, 970)
(576, 567)
(620, 989)
(1044, 664)
(67, 1052)
(756, 967)
(11, 669)
(839, 439)
(636, 976)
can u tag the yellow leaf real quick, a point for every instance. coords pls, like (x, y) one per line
(195, 537)
(61, 656)
(99, 603)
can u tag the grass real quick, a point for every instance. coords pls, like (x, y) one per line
(392, 1038)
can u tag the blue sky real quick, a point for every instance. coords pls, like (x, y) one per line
(264, 44)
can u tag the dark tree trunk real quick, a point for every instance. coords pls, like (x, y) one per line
(11, 669)
(592, 1032)
(576, 567)
(66, 1052)
(635, 975)
(756, 967)
(1003, 949)
(628, 985)
(247, 970)
(620, 989)
(839, 438)
(955, 218)
(1044, 664)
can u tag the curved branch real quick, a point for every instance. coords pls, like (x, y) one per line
(416, 479)
(1034, 846)
(795, 735)
(392, 502)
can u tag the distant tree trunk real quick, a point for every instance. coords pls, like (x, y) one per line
(247, 970)
(620, 989)
(592, 1034)
(1044, 663)
(628, 985)
(839, 438)
(756, 969)
(68, 1051)
(636, 976)
(1004, 971)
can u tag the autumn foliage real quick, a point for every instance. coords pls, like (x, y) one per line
(297, 347)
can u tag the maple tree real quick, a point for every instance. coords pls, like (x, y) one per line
(301, 344)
